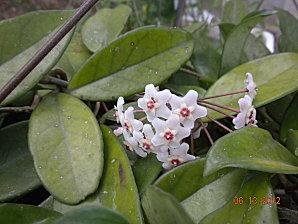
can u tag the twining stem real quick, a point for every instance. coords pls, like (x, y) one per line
(54, 80)
(190, 72)
(96, 108)
(215, 109)
(225, 94)
(45, 49)
(180, 12)
(26, 109)
(220, 124)
(105, 107)
(207, 133)
(220, 106)
(192, 144)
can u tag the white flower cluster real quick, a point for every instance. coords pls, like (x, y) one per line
(247, 115)
(170, 118)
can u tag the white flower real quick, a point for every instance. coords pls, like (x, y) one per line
(250, 85)
(175, 156)
(133, 145)
(129, 123)
(154, 103)
(187, 108)
(119, 108)
(247, 115)
(144, 139)
(169, 132)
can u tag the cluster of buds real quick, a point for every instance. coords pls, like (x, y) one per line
(171, 119)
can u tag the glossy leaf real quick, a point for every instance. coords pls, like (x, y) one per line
(146, 170)
(292, 141)
(19, 33)
(289, 29)
(214, 195)
(272, 84)
(235, 42)
(132, 61)
(290, 120)
(262, 153)
(17, 173)
(117, 189)
(92, 215)
(67, 148)
(234, 11)
(182, 90)
(161, 207)
(103, 27)
(186, 179)
(9, 68)
(258, 187)
(26, 214)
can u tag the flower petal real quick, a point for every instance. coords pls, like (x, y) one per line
(190, 98)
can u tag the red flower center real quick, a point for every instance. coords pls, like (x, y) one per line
(150, 104)
(185, 112)
(146, 146)
(175, 162)
(169, 136)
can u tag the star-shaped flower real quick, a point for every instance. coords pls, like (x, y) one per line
(247, 115)
(187, 108)
(154, 103)
(144, 139)
(119, 108)
(250, 85)
(129, 123)
(169, 132)
(175, 156)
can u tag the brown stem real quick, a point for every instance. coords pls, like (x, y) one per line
(207, 133)
(225, 94)
(105, 107)
(180, 12)
(45, 49)
(219, 111)
(190, 72)
(220, 106)
(220, 124)
(54, 80)
(192, 144)
(96, 108)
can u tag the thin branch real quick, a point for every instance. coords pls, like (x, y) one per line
(135, 7)
(225, 94)
(190, 72)
(220, 106)
(25, 109)
(207, 133)
(180, 12)
(54, 80)
(192, 144)
(45, 49)
(219, 111)
(105, 107)
(220, 124)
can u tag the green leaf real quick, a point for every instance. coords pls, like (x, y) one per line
(161, 207)
(92, 215)
(186, 179)
(214, 195)
(26, 214)
(182, 90)
(272, 84)
(117, 189)
(290, 120)
(234, 45)
(17, 173)
(234, 11)
(11, 67)
(66, 143)
(258, 187)
(19, 33)
(262, 153)
(130, 62)
(206, 57)
(292, 141)
(146, 170)
(103, 27)
(289, 29)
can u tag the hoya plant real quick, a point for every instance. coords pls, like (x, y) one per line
(149, 112)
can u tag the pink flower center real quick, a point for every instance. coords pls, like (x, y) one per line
(146, 146)
(184, 112)
(169, 136)
(175, 162)
(151, 104)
